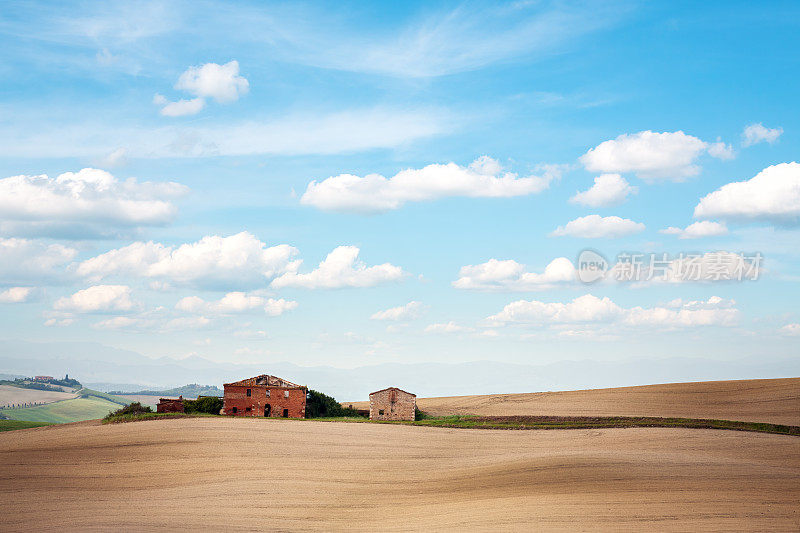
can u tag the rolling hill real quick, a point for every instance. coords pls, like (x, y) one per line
(759, 400)
(89, 405)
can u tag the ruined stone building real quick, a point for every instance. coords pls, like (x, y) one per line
(265, 396)
(392, 404)
(170, 405)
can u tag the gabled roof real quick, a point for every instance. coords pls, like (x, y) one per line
(265, 380)
(393, 388)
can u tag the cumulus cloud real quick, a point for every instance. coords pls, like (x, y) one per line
(508, 275)
(99, 298)
(89, 196)
(341, 268)
(14, 295)
(182, 108)
(608, 190)
(447, 327)
(757, 133)
(240, 260)
(375, 193)
(27, 260)
(697, 230)
(589, 309)
(651, 155)
(117, 322)
(720, 150)
(597, 227)
(211, 80)
(772, 195)
(235, 302)
(408, 311)
(791, 330)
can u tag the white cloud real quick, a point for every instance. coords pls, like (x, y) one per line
(90, 196)
(651, 155)
(115, 158)
(608, 190)
(773, 195)
(235, 302)
(181, 108)
(99, 298)
(240, 261)
(211, 80)
(220, 82)
(26, 260)
(375, 193)
(589, 309)
(341, 269)
(714, 302)
(441, 42)
(189, 322)
(58, 322)
(597, 227)
(408, 311)
(511, 276)
(296, 133)
(15, 295)
(117, 322)
(447, 327)
(697, 230)
(720, 150)
(791, 330)
(757, 133)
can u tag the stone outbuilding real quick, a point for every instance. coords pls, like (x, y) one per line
(265, 395)
(392, 404)
(170, 405)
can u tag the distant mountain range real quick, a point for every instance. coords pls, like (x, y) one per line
(188, 391)
(104, 368)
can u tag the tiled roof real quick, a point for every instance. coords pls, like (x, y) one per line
(265, 380)
(395, 388)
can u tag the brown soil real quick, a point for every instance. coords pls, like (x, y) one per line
(255, 474)
(776, 401)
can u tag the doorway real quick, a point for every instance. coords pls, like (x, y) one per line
(267, 410)
(285, 413)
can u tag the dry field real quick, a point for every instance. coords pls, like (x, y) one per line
(776, 401)
(15, 395)
(256, 474)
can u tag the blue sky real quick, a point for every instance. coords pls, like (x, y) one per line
(446, 144)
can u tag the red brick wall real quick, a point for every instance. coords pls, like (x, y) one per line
(395, 404)
(236, 396)
(171, 406)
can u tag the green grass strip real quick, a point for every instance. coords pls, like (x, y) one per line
(11, 425)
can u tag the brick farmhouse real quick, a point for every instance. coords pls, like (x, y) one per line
(265, 396)
(392, 404)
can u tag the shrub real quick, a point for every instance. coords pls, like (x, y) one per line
(204, 404)
(134, 408)
(319, 405)
(420, 415)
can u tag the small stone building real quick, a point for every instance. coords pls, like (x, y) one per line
(392, 404)
(170, 405)
(265, 395)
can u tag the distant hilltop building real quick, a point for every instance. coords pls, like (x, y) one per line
(392, 404)
(265, 395)
(44, 378)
